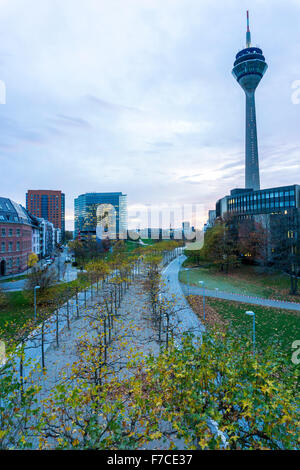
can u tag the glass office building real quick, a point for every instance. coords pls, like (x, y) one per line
(88, 210)
(244, 202)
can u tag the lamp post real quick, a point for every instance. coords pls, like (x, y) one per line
(202, 284)
(217, 291)
(159, 319)
(252, 314)
(34, 291)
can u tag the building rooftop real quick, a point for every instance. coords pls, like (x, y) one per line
(12, 212)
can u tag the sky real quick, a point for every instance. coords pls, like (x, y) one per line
(137, 96)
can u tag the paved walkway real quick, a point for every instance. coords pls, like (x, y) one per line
(194, 290)
(184, 318)
(134, 333)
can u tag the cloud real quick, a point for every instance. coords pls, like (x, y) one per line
(138, 96)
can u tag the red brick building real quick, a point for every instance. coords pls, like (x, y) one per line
(49, 205)
(15, 237)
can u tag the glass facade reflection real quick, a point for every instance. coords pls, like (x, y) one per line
(90, 207)
(265, 201)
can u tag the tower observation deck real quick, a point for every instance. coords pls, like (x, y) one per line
(249, 68)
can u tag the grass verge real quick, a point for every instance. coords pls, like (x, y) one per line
(246, 280)
(273, 326)
(17, 314)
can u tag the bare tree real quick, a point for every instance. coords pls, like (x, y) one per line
(43, 277)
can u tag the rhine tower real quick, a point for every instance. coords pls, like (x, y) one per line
(249, 68)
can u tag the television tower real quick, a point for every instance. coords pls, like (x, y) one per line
(249, 68)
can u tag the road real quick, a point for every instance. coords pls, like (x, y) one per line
(69, 275)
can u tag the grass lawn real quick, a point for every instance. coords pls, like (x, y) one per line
(15, 314)
(131, 245)
(272, 325)
(13, 279)
(247, 280)
(19, 309)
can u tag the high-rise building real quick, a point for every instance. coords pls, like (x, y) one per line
(107, 211)
(48, 205)
(249, 68)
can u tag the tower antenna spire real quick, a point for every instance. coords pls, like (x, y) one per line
(248, 34)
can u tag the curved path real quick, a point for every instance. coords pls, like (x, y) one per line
(183, 318)
(194, 290)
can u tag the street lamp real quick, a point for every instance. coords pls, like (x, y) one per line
(217, 291)
(252, 314)
(202, 284)
(34, 290)
(159, 319)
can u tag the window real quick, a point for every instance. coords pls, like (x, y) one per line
(10, 246)
(3, 249)
(10, 232)
(18, 246)
(18, 262)
(3, 232)
(18, 232)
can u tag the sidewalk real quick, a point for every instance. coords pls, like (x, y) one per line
(247, 299)
(186, 320)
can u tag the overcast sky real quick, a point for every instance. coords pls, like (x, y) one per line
(137, 96)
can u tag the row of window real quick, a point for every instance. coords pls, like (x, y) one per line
(264, 205)
(10, 262)
(262, 196)
(10, 246)
(9, 218)
(10, 232)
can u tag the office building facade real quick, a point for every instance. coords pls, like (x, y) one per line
(244, 203)
(48, 205)
(101, 215)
